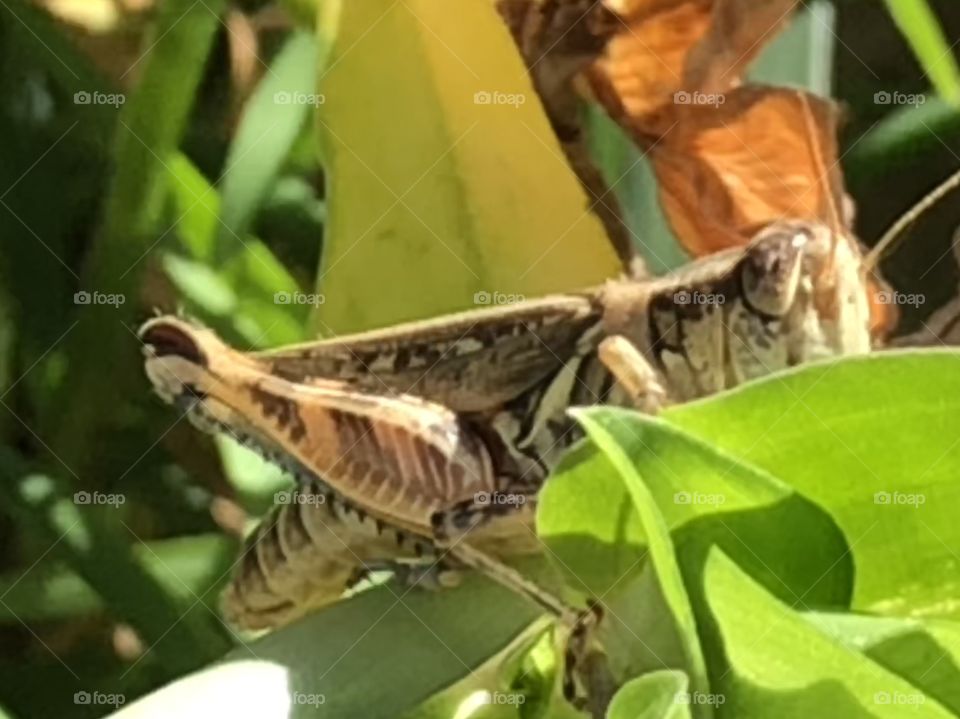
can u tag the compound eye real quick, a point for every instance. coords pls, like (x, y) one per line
(165, 339)
(770, 271)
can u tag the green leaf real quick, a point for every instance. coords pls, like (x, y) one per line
(925, 652)
(923, 32)
(705, 495)
(446, 179)
(872, 440)
(662, 554)
(489, 691)
(778, 666)
(272, 120)
(707, 498)
(905, 134)
(653, 696)
(413, 642)
(231, 283)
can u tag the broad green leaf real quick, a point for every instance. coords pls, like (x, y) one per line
(378, 655)
(662, 556)
(659, 695)
(925, 652)
(271, 122)
(445, 178)
(706, 497)
(923, 32)
(704, 494)
(872, 440)
(778, 666)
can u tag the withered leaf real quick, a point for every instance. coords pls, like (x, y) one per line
(670, 46)
(759, 155)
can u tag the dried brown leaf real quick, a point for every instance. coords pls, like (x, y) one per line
(669, 46)
(760, 155)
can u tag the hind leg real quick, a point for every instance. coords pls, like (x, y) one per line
(582, 663)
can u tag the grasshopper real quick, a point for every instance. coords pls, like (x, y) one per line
(425, 445)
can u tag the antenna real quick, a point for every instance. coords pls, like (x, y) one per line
(823, 173)
(891, 236)
(823, 178)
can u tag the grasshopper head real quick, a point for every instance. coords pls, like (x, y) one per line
(796, 293)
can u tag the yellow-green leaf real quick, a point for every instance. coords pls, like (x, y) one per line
(445, 178)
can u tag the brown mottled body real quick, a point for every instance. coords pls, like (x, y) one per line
(401, 430)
